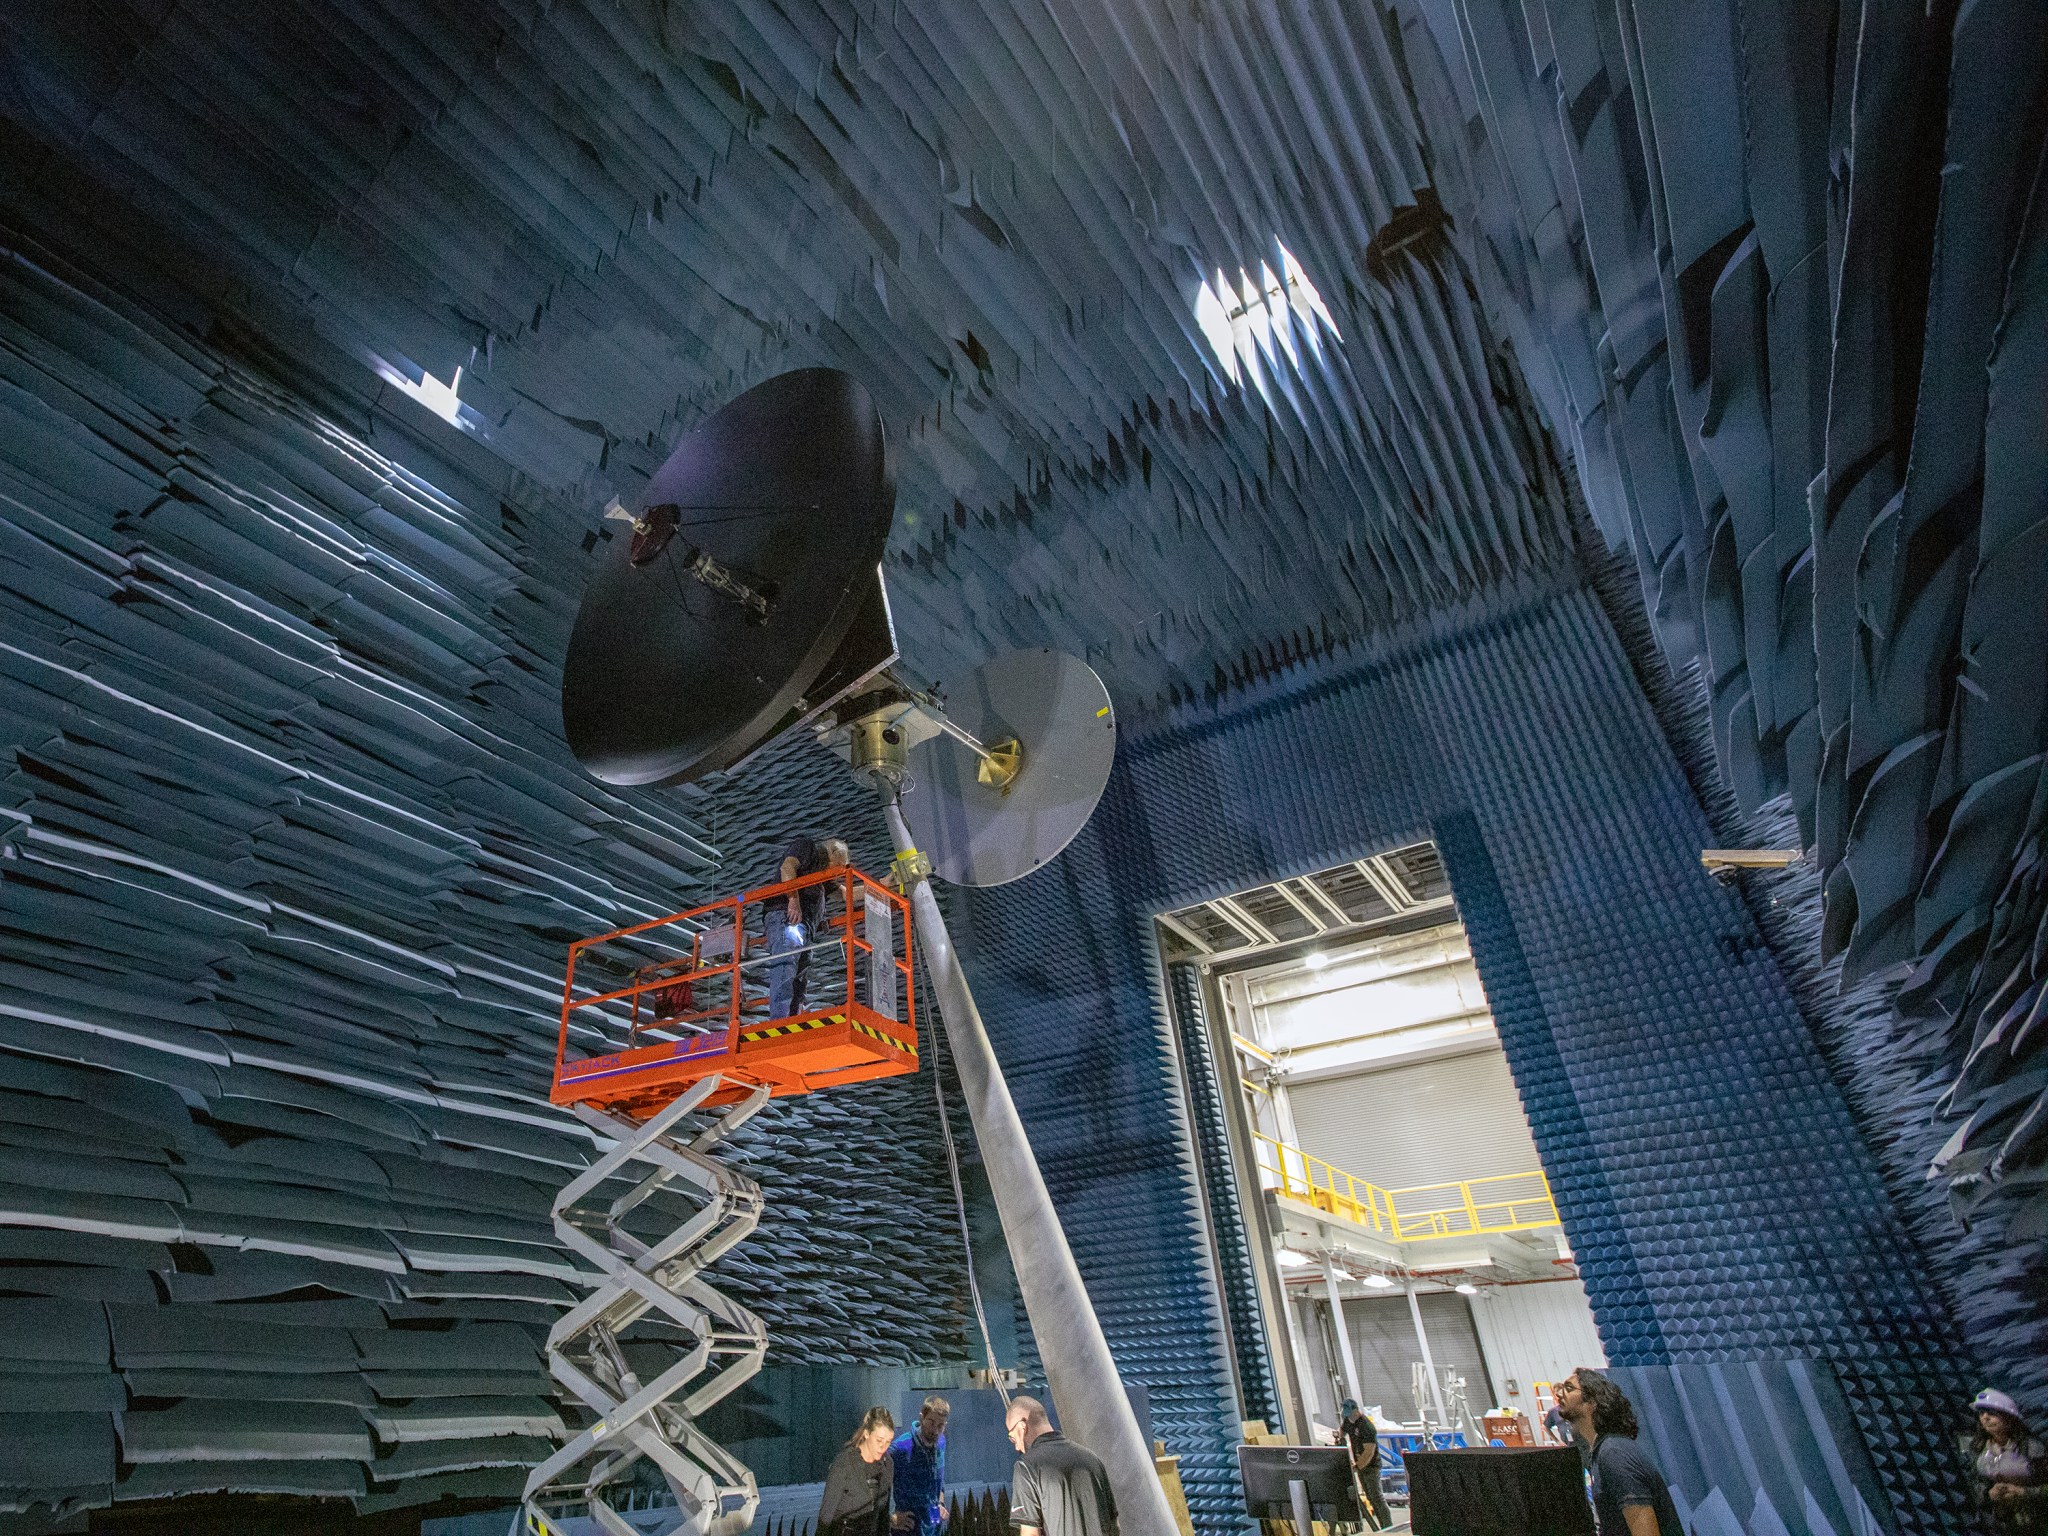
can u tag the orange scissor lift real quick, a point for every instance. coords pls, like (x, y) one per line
(678, 1011)
(689, 993)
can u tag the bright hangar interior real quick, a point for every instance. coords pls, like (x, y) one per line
(1552, 495)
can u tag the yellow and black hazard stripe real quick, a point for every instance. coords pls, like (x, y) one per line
(793, 1027)
(868, 1029)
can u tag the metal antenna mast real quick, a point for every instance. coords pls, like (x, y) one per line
(1093, 1406)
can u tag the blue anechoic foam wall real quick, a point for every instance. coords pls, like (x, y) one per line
(1785, 1423)
(1713, 1186)
(290, 853)
(1893, 1067)
(1235, 1237)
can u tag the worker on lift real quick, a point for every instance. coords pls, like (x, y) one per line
(790, 923)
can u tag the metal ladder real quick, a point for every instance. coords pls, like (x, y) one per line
(714, 1491)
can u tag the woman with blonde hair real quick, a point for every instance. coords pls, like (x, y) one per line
(860, 1487)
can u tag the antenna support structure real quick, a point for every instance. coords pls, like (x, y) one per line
(881, 728)
(1093, 1407)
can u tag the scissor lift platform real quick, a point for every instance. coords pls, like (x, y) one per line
(688, 1052)
(688, 993)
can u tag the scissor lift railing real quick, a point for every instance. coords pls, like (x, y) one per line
(684, 996)
(692, 1054)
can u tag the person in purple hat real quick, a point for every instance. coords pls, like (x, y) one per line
(2011, 1465)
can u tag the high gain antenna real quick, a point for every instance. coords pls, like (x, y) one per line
(752, 562)
(749, 601)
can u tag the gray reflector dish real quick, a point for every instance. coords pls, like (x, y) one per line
(976, 834)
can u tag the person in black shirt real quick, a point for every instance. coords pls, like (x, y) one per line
(1630, 1496)
(1364, 1441)
(859, 1488)
(792, 921)
(1058, 1488)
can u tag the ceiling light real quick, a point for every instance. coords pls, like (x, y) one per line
(1468, 1289)
(442, 399)
(1287, 1258)
(1253, 318)
(1379, 1282)
(1315, 959)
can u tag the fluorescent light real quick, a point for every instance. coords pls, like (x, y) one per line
(1287, 1258)
(1315, 959)
(1468, 1289)
(1379, 1282)
(1253, 318)
(442, 399)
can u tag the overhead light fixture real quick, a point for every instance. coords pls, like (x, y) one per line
(1727, 865)
(1379, 1282)
(1468, 1289)
(1287, 1258)
(1717, 859)
(1257, 316)
(1315, 959)
(444, 400)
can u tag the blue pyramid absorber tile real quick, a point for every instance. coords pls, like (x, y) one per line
(1712, 1184)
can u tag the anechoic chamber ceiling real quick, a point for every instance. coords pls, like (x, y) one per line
(612, 217)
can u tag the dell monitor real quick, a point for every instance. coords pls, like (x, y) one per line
(1301, 1483)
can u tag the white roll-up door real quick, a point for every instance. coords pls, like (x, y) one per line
(1541, 1331)
(1432, 1122)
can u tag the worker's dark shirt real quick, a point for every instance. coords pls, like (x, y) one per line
(1063, 1489)
(1363, 1439)
(857, 1496)
(1624, 1475)
(810, 859)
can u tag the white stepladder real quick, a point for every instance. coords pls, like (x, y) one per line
(724, 1344)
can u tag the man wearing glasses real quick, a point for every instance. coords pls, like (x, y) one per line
(1630, 1497)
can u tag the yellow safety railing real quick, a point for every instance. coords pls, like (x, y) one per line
(1507, 1202)
(1325, 1186)
(1510, 1202)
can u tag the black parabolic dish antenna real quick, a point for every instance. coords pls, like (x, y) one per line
(1055, 709)
(702, 632)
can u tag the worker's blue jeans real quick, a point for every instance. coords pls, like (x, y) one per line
(786, 971)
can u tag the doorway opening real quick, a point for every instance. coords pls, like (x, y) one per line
(1384, 1229)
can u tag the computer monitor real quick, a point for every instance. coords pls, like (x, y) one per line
(1325, 1470)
